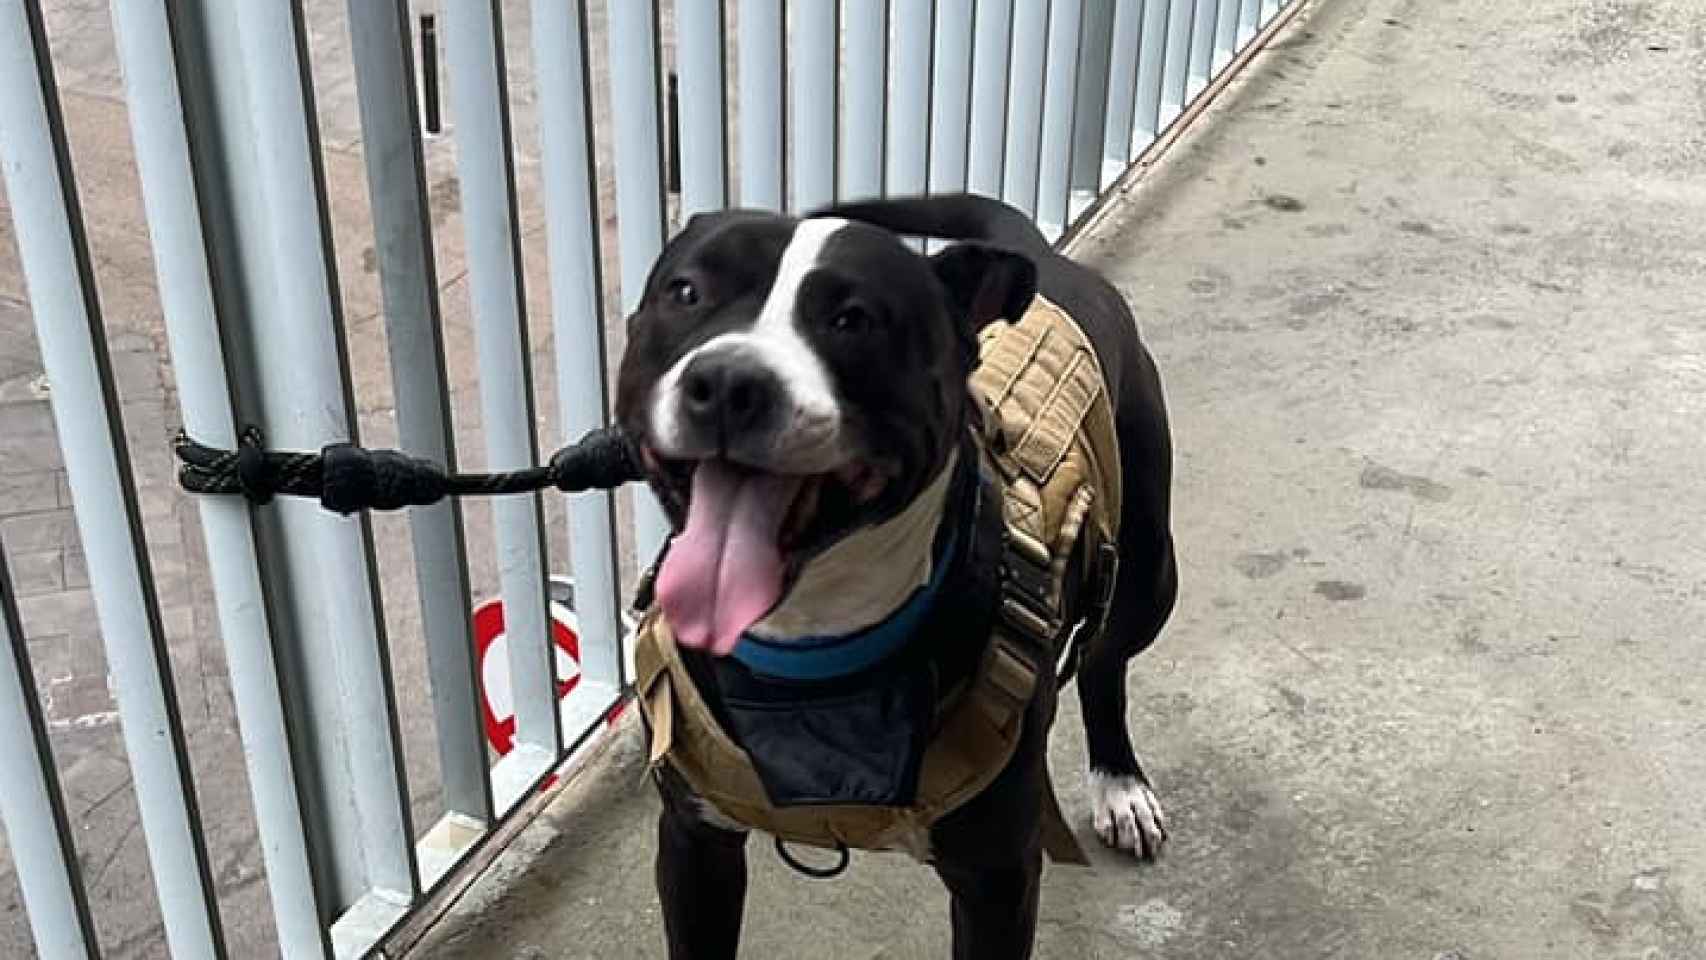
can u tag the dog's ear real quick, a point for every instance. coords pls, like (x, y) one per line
(985, 282)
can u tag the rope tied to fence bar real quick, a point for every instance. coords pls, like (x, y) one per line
(347, 478)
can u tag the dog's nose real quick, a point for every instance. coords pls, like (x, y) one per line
(729, 394)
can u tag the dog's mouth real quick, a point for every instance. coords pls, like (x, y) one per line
(747, 533)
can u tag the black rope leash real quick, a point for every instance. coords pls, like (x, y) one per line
(347, 478)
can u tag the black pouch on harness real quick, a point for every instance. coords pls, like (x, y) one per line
(833, 743)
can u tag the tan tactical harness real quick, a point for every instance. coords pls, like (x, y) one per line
(1049, 432)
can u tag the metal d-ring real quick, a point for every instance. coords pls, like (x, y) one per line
(816, 873)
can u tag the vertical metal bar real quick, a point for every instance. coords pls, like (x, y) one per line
(1249, 21)
(812, 104)
(699, 31)
(1176, 64)
(1127, 34)
(639, 187)
(760, 106)
(572, 232)
(32, 809)
(1151, 55)
(1059, 86)
(909, 99)
(219, 121)
(1226, 34)
(950, 95)
(1025, 104)
(1090, 103)
(1202, 47)
(429, 73)
(475, 56)
(144, 33)
(396, 181)
(1270, 9)
(51, 245)
(863, 121)
(672, 117)
(991, 44)
(333, 553)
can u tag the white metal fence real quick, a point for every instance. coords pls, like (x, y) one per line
(1045, 104)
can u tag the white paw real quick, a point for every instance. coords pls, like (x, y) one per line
(1126, 814)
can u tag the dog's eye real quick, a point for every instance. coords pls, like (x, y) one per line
(850, 321)
(683, 293)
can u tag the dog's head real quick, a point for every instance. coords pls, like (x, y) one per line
(789, 382)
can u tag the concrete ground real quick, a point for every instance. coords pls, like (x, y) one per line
(1427, 295)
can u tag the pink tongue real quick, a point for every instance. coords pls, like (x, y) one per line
(724, 571)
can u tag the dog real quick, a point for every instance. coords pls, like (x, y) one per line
(797, 390)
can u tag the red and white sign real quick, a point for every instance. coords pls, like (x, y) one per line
(491, 646)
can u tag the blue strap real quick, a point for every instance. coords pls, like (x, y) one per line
(823, 658)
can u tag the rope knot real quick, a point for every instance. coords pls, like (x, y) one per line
(604, 459)
(353, 478)
(253, 474)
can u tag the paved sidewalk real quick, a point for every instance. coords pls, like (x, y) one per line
(1427, 296)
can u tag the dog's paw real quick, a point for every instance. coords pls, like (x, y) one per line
(1126, 814)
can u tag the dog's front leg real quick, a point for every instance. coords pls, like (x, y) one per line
(989, 851)
(994, 906)
(989, 854)
(701, 880)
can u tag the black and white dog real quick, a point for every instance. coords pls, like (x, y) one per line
(798, 389)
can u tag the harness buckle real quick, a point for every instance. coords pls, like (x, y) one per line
(1036, 625)
(1027, 583)
(1028, 577)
